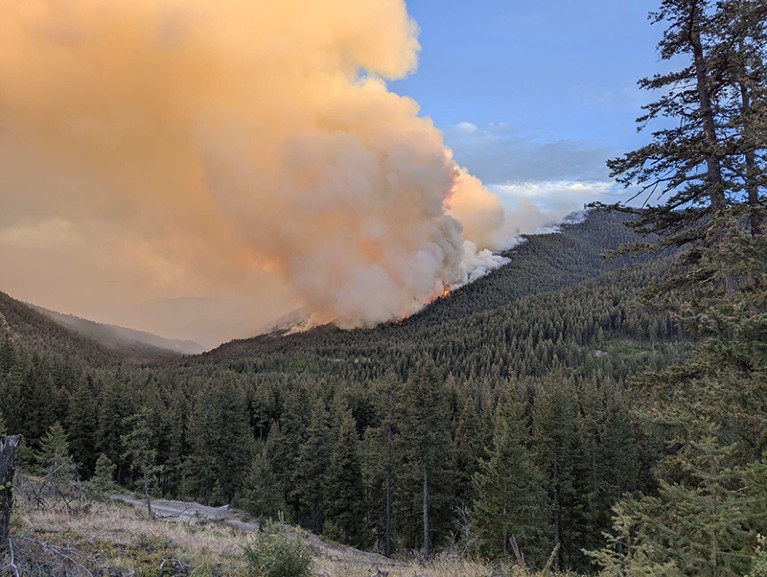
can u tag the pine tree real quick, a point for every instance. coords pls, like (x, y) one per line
(707, 512)
(220, 442)
(141, 453)
(103, 475)
(344, 487)
(114, 406)
(711, 162)
(561, 456)
(311, 465)
(425, 450)
(379, 459)
(288, 434)
(511, 497)
(82, 424)
(470, 445)
(263, 495)
(53, 458)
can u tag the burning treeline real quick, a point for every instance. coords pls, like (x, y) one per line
(198, 147)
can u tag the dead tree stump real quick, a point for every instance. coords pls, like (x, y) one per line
(9, 447)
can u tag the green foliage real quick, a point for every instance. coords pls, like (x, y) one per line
(709, 507)
(220, 443)
(344, 486)
(263, 495)
(759, 568)
(710, 166)
(277, 553)
(102, 481)
(511, 496)
(425, 448)
(140, 449)
(53, 458)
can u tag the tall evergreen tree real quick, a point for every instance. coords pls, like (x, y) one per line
(344, 487)
(220, 442)
(425, 450)
(713, 159)
(141, 453)
(561, 456)
(82, 422)
(470, 447)
(262, 493)
(54, 459)
(310, 467)
(379, 459)
(512, 504)
(707, 513)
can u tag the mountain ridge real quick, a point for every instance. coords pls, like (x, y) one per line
(122, 338)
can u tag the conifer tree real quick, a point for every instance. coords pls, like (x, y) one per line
(114, 407)
(344, 487)
(470, 446)
(425, 450)
(82, 424)
(263, 495)
(220, 442)
(288, 434)
(53, 458)
(561, 457)
(707, 513)
(103, 475)
(311, 466)
(379, 459)
(511, 497)
(141, 453)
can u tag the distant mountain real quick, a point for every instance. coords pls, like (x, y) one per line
(54, 336)
(122, 338)
(35, 333)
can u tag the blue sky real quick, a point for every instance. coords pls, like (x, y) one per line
(534, 96)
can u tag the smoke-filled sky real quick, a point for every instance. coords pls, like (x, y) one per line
(198, 168)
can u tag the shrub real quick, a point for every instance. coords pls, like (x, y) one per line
(277, 554)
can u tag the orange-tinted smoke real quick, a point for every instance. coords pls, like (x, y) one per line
(228, 149)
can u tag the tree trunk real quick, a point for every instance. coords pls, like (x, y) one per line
(556, 528)
(9, 447)
(713, 163)
(426, 543)
(713, 166)
(146, 495)
(387, 528)
(752, 170)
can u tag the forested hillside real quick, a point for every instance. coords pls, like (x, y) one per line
(337, 429)
(33, 332)
(138, 344)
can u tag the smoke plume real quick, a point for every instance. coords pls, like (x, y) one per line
(236, 150)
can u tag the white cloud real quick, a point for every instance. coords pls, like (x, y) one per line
(466, 127)
(533, 206)
(565, 191)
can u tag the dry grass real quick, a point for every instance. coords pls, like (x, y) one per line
(112, 539)
(108, 538)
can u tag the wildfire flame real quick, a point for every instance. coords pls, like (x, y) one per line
(445, 292)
